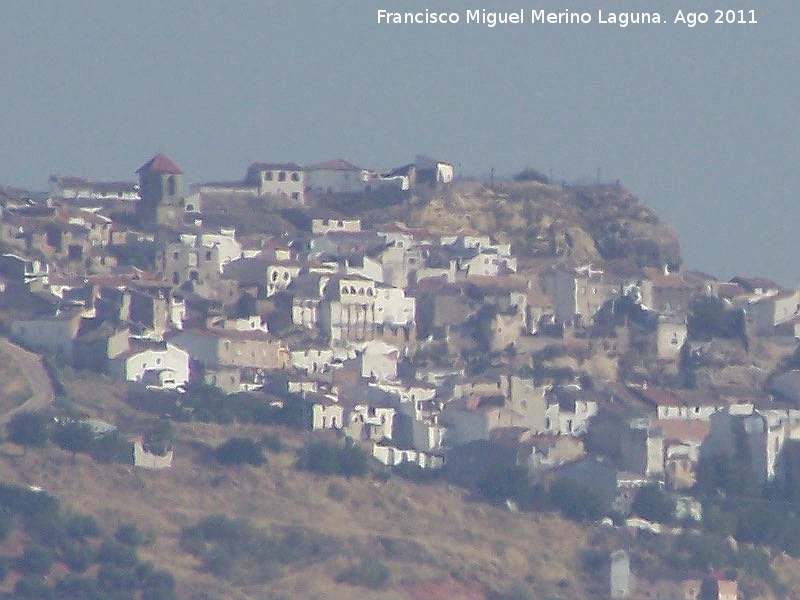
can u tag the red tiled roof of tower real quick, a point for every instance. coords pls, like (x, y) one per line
(160, 164)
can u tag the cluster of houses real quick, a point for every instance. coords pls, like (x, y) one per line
(377, 331)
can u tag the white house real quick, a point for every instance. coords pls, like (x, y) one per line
(379, 360)
(336, 177)
(392, 456)
(282, 179)
(312, 360)
(323, 226)
(78, 188)
(393, 306)
(620, 578)
(671, 335)
(144, 459)
(158, 366)
(764, 312)
(51, 334)
(280, 276)
(371, 422)
(229, 248)
(326, 412)
(434, 171)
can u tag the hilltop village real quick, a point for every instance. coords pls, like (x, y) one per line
(427, 346)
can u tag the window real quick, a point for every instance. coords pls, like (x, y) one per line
(344, 290)
(172, 186)
(208, 254)
(175, 278)
(295, 176)
(295, 195)
(286, 275)
(282, 176)
(174, 256)
(267, 175)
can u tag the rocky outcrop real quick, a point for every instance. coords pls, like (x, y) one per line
(587, 223)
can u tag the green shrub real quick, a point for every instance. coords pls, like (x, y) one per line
(653, 504)
(82, 526)
(326, 458)
(129, 534)
(576, 501)
(372, 574)
(271, 442)
(239, 451)
(35, 560)
(337, 492)
(73, 436)
(112, 448)
(510, 483)
(31, 588)
(158, 585)
(73, 587)
(113, 553)
(77, 556)
(29, 429)
(118, 582)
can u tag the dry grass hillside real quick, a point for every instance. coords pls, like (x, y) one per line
(434, 539)
(15, 389)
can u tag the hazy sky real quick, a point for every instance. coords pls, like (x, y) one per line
(700, 123)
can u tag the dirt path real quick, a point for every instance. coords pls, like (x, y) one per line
(30, 365)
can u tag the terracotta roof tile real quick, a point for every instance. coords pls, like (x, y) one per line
(160, 164)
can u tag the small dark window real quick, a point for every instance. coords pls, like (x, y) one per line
(282, 176)
(295, 177)
(268, 176)
(208, 255)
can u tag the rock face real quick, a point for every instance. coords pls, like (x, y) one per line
(587, 223)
